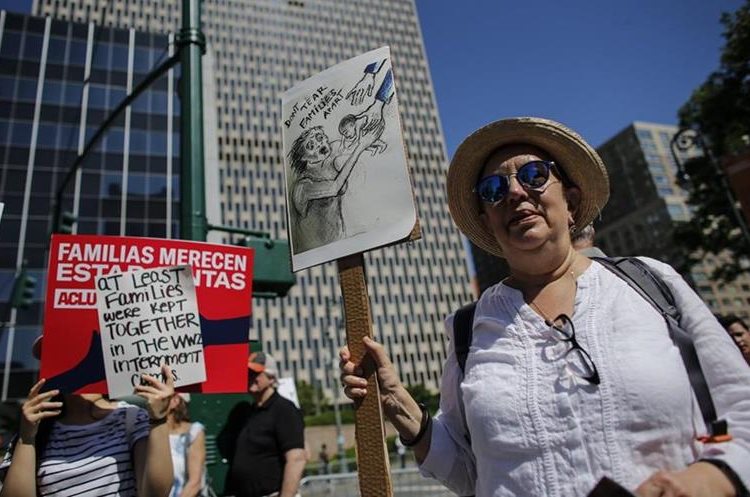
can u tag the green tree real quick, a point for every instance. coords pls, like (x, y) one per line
(720, 110)
(424, 396)
(306, 397)
(311, 398)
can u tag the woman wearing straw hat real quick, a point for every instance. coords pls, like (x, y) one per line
(536, 414)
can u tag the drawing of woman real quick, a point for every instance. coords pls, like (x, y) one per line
(321, 171)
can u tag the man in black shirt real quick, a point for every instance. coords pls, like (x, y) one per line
(264, 441)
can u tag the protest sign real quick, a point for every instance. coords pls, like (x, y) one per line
(288, 390)
(348, 190)
(72, 353)
(148, 318)
(348, 184)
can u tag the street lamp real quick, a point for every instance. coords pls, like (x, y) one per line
(687, 139)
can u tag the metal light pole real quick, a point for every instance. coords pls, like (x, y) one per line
(686, 139)
(192, 43)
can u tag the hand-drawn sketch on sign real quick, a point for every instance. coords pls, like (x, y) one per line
(149, 318)
(348, 185)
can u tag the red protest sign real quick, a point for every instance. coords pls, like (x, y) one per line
(72, 358)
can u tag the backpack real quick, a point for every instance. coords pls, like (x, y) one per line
(652, 288)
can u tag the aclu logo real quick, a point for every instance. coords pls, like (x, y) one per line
(75, 298)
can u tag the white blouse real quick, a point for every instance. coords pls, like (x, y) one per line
(536, 430)
(179, 444)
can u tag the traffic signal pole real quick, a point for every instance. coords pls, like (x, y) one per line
(21, 297)
(271, 279)
(192, 42)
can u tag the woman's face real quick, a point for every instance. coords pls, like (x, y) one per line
(525, 220)
(741, 336)
(174, 403)
(317, 147)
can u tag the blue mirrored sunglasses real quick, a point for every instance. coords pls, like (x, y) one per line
(532, 176)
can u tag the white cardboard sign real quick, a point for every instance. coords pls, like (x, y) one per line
(348, 187)
(288, 390)
(149, 317)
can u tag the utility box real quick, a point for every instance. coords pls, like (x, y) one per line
(212, 410)
(272, 272)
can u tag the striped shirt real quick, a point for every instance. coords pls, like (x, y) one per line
(93, 459)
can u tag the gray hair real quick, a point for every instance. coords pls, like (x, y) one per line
(586, 234)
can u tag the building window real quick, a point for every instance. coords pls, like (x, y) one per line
(677, 212)
(665, 190)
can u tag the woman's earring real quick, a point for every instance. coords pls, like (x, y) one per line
(572, 228)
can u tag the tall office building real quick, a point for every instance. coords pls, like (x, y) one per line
(646, 202)
(58, 82)
(261, 48)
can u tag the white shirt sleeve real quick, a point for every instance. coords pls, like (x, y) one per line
(726, 372)
(450, 459)
(196, 429)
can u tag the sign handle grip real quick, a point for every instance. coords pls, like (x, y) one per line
(372, 453)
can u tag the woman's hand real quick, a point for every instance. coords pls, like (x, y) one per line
(362, 89)
(398, 405)
(35, 409)
(355, 385)
(352, 375)
(697, 480)
(157, 393)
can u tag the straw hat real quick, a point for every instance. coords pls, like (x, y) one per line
(570, 152)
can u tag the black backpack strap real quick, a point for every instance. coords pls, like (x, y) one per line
(463, 330)
(651, 287)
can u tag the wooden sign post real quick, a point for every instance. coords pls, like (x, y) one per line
(372, 452)
(348, 191)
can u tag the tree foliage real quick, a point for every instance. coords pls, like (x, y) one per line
(720, 110)
(422, 395)
(311, 398)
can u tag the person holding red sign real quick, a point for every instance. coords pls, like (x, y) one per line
(85, 444)
(570, 374)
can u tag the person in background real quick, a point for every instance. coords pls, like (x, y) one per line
(264, 442)
(401, 451)
(324, 459)
(570, 374)
(739, 332)
(583, 242)
(70, 445)
(187, 442)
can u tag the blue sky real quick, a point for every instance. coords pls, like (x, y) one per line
(595, 65)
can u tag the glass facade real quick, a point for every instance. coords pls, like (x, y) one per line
(59, 80)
